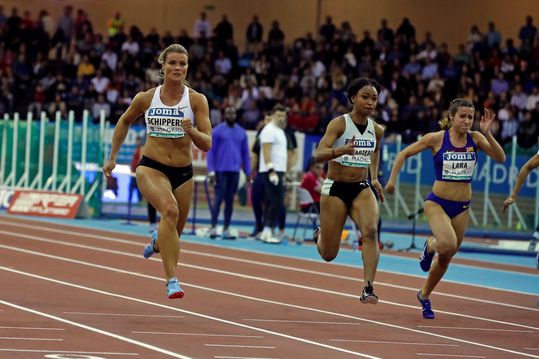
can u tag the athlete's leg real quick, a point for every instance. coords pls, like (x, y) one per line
(156, 188)
(448, 235)
(365, 214)
(333, 213)
(183, 195)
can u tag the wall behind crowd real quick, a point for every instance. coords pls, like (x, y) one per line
(448, 21)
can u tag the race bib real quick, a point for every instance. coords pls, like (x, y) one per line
(165, 123)
(363, 150)
(458, 166)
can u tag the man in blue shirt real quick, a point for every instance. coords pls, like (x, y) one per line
(228, 154)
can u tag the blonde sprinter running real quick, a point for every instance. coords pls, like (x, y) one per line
(165, 172)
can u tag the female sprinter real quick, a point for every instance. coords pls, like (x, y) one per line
(351, 144)
(454, 151)
(176, 117)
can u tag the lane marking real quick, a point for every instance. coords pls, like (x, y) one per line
(33, 339)
(396, 343)
(63, 352)
(92, 329)
(485, 329)
(239, 346)
(32, 328)
(299, 321)
(450, 355)
(200, 334)
(175, 309)
(126, 315)
(234, 357)
(110, 251)
(116, 270)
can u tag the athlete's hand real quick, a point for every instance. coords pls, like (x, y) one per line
(486, 120)
(187, 125)
(379, 189)
(390, 187)
(508, 201)
(108, 167)
(348, 149)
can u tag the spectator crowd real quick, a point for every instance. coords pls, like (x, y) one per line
(62, 65)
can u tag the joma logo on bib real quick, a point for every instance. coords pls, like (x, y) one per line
(165, 112)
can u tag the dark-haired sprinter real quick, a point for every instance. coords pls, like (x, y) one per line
(351, 145)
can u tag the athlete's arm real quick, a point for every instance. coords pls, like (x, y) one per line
(201, 134)
(487, 142)
(375, 162)
(525, 170)
(427, 141)
(325, 150)
(137, 108)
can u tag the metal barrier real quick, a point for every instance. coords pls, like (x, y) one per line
(66, 182)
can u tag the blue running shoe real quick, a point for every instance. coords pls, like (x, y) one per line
(427, 309)
(173, 289)
(425, 260)
(149, 249)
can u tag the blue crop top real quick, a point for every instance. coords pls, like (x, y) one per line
(455, 164)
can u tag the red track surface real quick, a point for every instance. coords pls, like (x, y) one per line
(69, 290)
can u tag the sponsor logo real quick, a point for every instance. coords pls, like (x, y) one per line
(459, 156)
(46, 204)
(164, 111)
(362, 143)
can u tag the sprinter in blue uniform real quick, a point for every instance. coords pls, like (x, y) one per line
(454, 152)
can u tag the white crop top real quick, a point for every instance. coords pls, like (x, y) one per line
(165, 121)
(364, 144)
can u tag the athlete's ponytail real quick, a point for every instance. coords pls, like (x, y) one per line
(445, 123)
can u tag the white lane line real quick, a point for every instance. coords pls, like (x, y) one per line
(126, 315)
(229, 357)
(33, 339)
(178, 309)
(31, 328)
(484, 329)
(531, 348)
(231, 258)
(299, 321)
(395, 343)
(201, 334)
(95, 330)
(117, 270)
(318, 290)
(450, 355)
(63, 352)
(239, 346)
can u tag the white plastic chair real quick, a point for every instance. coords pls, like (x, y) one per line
(311, 215)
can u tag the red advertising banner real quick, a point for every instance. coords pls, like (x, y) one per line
(46, 204)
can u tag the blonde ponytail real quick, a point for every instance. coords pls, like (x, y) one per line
(445, 123)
